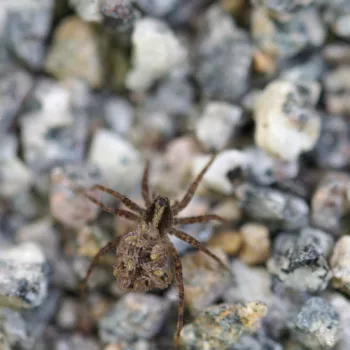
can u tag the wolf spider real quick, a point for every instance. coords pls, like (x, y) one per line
(142, 255)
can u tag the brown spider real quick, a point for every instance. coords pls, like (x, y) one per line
(142, 255)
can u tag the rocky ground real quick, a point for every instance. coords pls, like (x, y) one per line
(91, 89)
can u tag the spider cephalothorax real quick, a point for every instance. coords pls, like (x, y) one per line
(143, 256)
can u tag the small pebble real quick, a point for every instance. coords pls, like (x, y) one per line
(321, 240)
(218, 124)
(317, 325)
(299, 264)
(252, 253)
(340, 264)
(287, 109)
(205, 281)
(229, 241)
(332, 148)
(64, 61)
(118, 160)
(67, 314)
(245, 277)
(88, 10)
(23, 276)
(134, 316)
(337, 88)
(276, 208)
(156, 50)
(227, 164)
(157, 8)
(223, 59)
(337, 14)
(221, 326)
(329, 204)
(67, 207)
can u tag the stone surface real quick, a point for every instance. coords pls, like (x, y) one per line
(157, 7)
(229, 163)
(245, 277)
(340, 264)
(223, 58)
(64, 61)
(299, 264)
(332, 148)
(321, 240)
(337, 15)
(87, 10)
(134, 316)
(156, 50)
(279, 38)
(221, 326)
(329, 203)
(228, 241)
(337, 89)
(118, 161)
(251, 252)
(67, 207)
(286, 121)
(23, 276)
(265, 169)
(205, 281)
(218, 124)
(276, 208)
(51, 133)
(317, 325)
(15, 84)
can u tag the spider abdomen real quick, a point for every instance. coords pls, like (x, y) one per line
(141, 263)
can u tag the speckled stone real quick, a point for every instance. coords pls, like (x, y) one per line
(299, 264)
(134, 316)
(286, 121)
(223, 58)
(276, 208)
(221, 326)
(317, 325)
(329, 203)
(23, 276)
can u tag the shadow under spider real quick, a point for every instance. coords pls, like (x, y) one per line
(142, 255)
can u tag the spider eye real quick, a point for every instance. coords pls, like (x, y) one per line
(162, 202)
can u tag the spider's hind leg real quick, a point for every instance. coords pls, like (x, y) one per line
(110, 245)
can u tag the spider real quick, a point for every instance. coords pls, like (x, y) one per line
(142, 262)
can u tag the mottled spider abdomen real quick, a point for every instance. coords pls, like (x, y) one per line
(142, 263)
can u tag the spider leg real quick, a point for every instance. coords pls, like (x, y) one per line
(145, 186)
(196, 219)
(118, 212)
(192, 189)
(195, 243)
(110, 245)
(180, 284)
(125, 200)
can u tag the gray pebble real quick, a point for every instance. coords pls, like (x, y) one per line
(278, 209)
(223, 57)
(300, 264)
(67, 315)
(88, 10)
(76, 342)
(337, 14)
(15, 84)
(134, 316)
(317, 325)
(332, 148)
(23, 276)
(26, 32)
(157, 7)
(321, 240)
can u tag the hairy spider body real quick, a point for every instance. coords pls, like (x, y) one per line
(143, 256)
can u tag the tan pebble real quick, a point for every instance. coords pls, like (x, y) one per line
(232, 6)
(256, 243)
(229, 241)
(263, 63)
